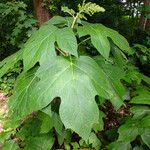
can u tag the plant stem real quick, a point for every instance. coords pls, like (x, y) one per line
(64, 54)
(76, 17)
(84, 41)
(74, 21)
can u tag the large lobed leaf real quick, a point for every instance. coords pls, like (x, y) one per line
(41, 44)
(75, 81)
(99, 38)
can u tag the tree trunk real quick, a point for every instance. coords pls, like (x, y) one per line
(41, 12)
(145, 22)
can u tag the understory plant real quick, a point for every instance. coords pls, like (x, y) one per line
(73, 73)
(16, 25)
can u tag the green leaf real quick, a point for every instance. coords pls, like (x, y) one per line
(75, 145)
(57, 123)
(100, 125)
(60, 21)
(31, 127)
(47, 123)
(10, 145)
(47, 110)
(9, 62)
(148, 16)
(138, 148)
(132, 128)
(67, 41)
(133, 74)
(145, 122)
(54, 120)
(94, 141)
(4, 135)
(128, 131)
(41, 142)
(118, 40)
(57, 20)
(146, 136)
(140, 110)
(20, 103)
(118, 56)
(144, 78)
(99, 38)
(114, 75)
(76, 81)
(142, 98)
(120, 146)
(67, 10)
(73, 81)
(90, 8)
(67, 80)
(41, 42)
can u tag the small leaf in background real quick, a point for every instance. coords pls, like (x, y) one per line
(47, 123)
(75, 145)
(134, 127)
(120, 146)
(10, 145)
(100, 125)
(4, 135)
(145, 122)
(146, 136)
(129, 131)
(96, 143)
(41, 142)
(139, 111)
(142, 98)
(89, 8)
(52, 119)
(67, 10)
(57, 123)
(10, 62)
(138, 148)
(67, 146)
(31, 127)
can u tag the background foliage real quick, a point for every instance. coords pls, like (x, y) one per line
(17, 25)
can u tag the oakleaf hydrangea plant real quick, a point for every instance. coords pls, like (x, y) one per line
(60, 83)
